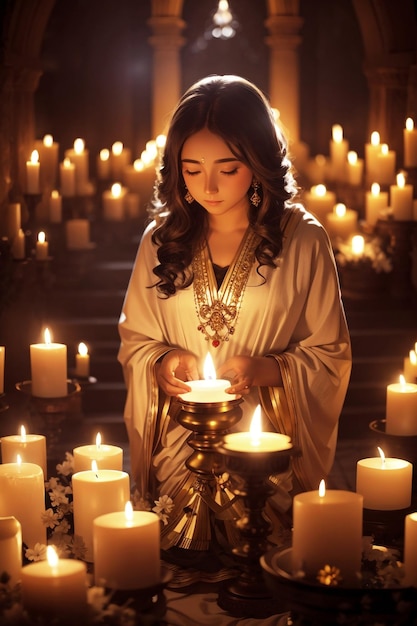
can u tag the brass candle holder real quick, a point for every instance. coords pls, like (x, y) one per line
(248, 594)
(208, 422)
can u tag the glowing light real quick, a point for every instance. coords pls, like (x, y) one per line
(41, 237)
(409, 124)
(79, 145)
(48, 140)
(209, 369)
(47, 336)
(322, 488)
(340, 209)
(34, 157)
(52, 556)
(255, 428)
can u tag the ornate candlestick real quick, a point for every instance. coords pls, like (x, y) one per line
(248, 595)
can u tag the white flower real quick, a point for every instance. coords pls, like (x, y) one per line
(58, 496)
(50, 519)
(67, 467)
(37, 553)
(163, 508)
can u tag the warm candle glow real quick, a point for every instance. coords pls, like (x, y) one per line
(34, 157)
(94, 467)
(375, 138)
(138, 165)
(413, 357)
(117, 148)
(47, 336)
(322, 488)
(129, 511)
(18, 459)
(116, 190)
(337, 133)
(340, 209)
(98, 440)
(48, 140)
(375, 189)
(67, 163)
(352, 157)
(382, 455)
(82, 349)
(104, 154)
(79, 145)
(409, 124)
(160, 141)
(255, 427)
(23, 433)
(151, 149)
(358, 245)
(145, 157)
(41, 237)
(55, 193)
(52, 556)
(401, 180)
(319, 190)
(209, 370)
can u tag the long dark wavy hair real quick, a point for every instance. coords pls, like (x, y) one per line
(240, 114)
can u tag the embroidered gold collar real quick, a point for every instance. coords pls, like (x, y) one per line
(218, 309)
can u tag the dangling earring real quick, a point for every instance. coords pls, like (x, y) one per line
(255, 197)
(188, 197)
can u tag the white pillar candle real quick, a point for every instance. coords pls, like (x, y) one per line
(82, 361)
(385, 483)
(410, 550)
(55, 207)
(13, 220)
(106, 456)
(2, 362)
(77, 233)
(48, 157)
(410, 367)
(49, 368)
(96, 492)
(256, 441)
(133, 176)
(67, 178)
(79, 156)
(355, 168)
(327, 530)
(401, 408)
(372, 150)
(119, 158)
(410, 143)
(31, 448)
(42, 247)
(376, 202)
(103, 164)
(342, 222)
(210, 389)
(401, 199)
(10, 548)
(339, 148)
(320, 201)
(55, 588)
(127, 549)
(385, 165)
(32, 173)
(18, 247)
(113, 203)
(23, 496)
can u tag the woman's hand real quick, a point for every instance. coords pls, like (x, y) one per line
(174, 368)
(248, 371)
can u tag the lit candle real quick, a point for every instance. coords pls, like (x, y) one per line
(2, 361)
(23, 496)
(13, 220)
(31, 448)
(338, 152)
(410, 143)
(48, 157)
(401, 408)
(376, 202)
(106, 456)
(18, 246)
(133, 176)
(327, 529)
(210, 389)
(127, 549)
(11, 548)
(256, 440)
(79, 156)
(67, 177)
(401, 196)
(119, 158)
(410, 550)
(358, 246)
(385, 165)
(55, 588)
(41, 247)
(410, 366)
(372, 150)
(342, 222)
(32, 173)
(96, 492)
(82, 361)
(320, 201)
(103, 164)
(49, 368)
(77, 233)
(55, 207)
(113, 202)
(385, 483)
(355, 168)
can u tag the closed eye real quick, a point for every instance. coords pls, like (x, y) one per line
(230, 172)
(189, 173)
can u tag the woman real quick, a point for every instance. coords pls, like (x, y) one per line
(233, 267)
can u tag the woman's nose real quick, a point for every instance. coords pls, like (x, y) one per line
(211, 184)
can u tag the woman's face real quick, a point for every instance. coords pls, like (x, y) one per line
(214, 176)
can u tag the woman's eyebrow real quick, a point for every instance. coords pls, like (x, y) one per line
(198, 162)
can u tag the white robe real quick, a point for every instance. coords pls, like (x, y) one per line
(295, 315)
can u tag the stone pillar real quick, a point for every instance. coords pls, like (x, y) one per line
(284, 26)
(166, 26)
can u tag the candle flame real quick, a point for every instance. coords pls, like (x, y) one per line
(375, 189)
(82, 349)
(337, 133)
(400, 180)
(55, 193)
(98, 440)
(358, 245)
(18, 459)
(255, 427)
(151, 149)
(382, 455)
(23, 433)
(375, 138)
(413, 357)
(116, 190)
(352, 157)
(138, 165)
(41, 237)
(145, 157)
(67, 163)
(320, 190)
(47, 336)
(129, 511)
(48, 140)
(104, 154)
(161, 141)
(340, 209)
(322, 488)
(117, 148)
(409, 124)
(79, 145)
(94, 467)
(52, 556)
(384, 148)
(34, 157)
(209, 369)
